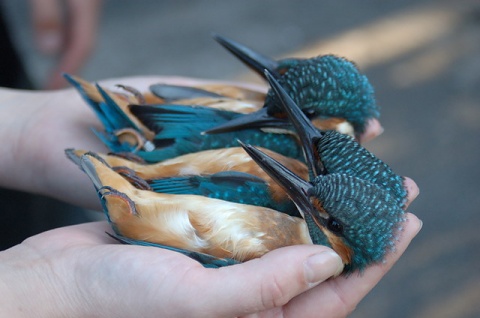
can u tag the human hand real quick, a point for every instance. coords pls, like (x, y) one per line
(65, 29)
(120, 280)
(38, 126)
(81, 273)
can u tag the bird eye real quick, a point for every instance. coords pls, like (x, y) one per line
(334, 226)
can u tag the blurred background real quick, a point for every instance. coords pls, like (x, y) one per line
(423, 58)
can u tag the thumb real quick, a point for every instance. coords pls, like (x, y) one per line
(270, 281)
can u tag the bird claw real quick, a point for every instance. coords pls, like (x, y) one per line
(109, 191)
(135, 92)
(132, 177)
(134, 138)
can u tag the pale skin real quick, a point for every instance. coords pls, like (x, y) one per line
(78, 271)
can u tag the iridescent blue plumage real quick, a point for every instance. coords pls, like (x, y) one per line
(368, 215)
(327, 86)
(342, 154)
(356, 218)
(225, 174)
(112, 117)
(332, 152)
(190, 224)
(352, 202)
(323, 86)
(230, 186)
(179, 131)
(348, 203)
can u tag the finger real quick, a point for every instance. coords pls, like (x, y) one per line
(356, 287)
(266, 283)
(412, 190)
(47, 24)
(81, 33)
(373, 130)
(88, 233)
(339, 296)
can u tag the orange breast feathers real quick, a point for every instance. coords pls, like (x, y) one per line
(216, 227)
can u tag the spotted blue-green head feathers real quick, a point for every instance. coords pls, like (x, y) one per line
(323, 87)
(356, 218)
(332, 152)
(328, 86)
(364, 218)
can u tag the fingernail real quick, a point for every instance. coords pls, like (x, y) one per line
(49, 42)
(321, 266)
(381, 130)
(420, 225)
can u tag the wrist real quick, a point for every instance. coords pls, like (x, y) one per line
(17, 109)
(37, 127)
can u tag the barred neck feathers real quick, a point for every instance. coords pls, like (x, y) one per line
(369, 216)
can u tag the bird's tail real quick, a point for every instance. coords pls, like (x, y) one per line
(112, 110)
(76, 155)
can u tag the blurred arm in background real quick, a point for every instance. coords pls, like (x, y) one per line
(65, 29)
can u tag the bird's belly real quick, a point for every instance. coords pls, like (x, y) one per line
(211, 226)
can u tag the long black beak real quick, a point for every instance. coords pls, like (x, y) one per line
(306, 131)
(256, 61)
(258, 119)
(297, 189)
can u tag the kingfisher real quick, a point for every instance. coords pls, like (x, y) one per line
(229, 174)
(219, 231)
(331, 152)
(326, 86)
(358, 219)
(162, 131)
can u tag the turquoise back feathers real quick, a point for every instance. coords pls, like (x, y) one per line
(179, 130)
(230, 186)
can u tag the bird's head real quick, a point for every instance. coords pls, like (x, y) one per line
(333, 152)
(356, 218)
(327, 86)
(324, 87)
